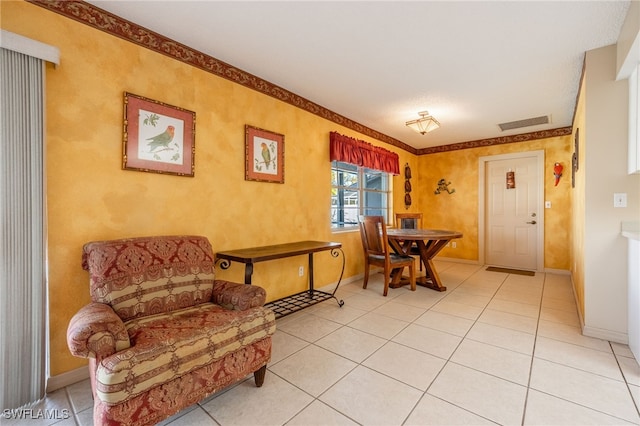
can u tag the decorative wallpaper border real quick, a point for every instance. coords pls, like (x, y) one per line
(524, 137)
(112, 24)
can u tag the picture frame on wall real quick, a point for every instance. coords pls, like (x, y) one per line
(158, 137)
(264, 155)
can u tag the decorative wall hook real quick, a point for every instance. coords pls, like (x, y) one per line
(407, 186)
(557, 172)
(407, 200)
(407, 171)
(443, 186)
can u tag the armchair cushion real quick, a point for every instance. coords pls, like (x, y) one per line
(167, 346)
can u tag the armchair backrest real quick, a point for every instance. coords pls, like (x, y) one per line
(144, 276)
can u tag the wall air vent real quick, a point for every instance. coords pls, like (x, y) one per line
(524, 123)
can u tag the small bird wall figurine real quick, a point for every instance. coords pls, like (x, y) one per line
(162, 140)
(557, 172)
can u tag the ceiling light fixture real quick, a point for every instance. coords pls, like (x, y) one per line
(424, 124)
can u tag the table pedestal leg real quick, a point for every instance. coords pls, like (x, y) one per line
(427, 252)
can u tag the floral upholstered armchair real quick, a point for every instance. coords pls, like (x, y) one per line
(161, 333)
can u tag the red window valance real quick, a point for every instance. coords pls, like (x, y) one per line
(353, 151)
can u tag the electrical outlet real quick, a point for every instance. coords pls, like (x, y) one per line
(301, 271)
(454, 244)
(620, 199)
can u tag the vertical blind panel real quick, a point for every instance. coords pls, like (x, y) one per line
(22, 248)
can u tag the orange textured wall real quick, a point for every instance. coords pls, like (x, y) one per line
(459, 210)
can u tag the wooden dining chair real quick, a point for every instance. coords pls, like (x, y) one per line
(377, 252)
(410, 221)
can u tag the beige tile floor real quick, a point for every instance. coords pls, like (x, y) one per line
(494, 348)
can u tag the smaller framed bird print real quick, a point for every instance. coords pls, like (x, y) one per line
(264, 155)
(158, 137)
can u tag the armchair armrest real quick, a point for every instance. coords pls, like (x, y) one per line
(236, 296)
(96, 331)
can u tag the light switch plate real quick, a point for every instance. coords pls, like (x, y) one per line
(620, 199)
(547, 204)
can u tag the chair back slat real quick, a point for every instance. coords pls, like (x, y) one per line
(409, 220)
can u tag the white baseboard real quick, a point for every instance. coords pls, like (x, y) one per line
(610, 335)
(453, 259)
(65, 379)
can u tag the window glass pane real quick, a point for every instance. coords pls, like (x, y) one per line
(345, 207)
(349, 180)
(375, 180)
(356, 191)
(344, 178)
(375, 200)
(351, 216)
(375, 212)
(341, 217)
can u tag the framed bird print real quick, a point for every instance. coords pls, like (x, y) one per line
(158, 137)
(264, 155)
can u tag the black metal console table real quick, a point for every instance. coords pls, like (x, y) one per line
(290, 304)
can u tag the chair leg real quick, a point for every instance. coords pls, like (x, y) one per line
(366, 275)
(412, 276)
(387, 278)
(259, 374)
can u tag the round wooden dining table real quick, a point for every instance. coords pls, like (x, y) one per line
(429, 243)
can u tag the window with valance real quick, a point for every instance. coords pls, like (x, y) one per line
(360, 180)
(349, 150)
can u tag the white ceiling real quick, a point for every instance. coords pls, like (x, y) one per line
(471, 64)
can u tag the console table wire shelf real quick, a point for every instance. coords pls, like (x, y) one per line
(296, 302)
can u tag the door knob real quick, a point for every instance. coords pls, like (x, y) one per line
(533, 222)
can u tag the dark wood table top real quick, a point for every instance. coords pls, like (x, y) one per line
(422, 234)
(277, 251)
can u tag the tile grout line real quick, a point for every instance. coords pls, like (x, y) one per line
(626, 381)
(448, 360)
(545, 290)
(73, 410)
(572, 367)
(533, 351)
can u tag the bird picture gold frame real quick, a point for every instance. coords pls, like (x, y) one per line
(158, 137)
(264, 155)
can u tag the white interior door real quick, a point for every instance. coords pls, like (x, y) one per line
(512, 214)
